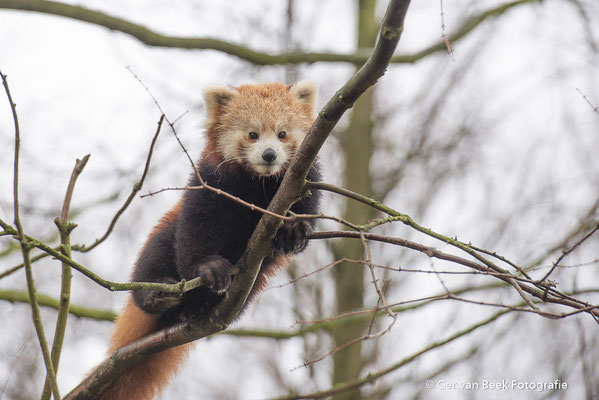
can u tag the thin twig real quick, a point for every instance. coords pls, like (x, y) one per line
(584, 96)
(407, 220)
(65, 228)
(136, 188)
(566, 252)
(372, 377)
(588, 221)
(443, 35)
(370, 265)
(502, 258)
(26, 248)
(236, 199)
(549, 295)
(447, 296)
(292, 281)
(171, 124)
(400, 307)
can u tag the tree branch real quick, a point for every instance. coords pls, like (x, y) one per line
(136, 188)
(65, 227)
(566, 252)
(546, 295)
(26, 248)
(259, 245)
(51, 302)
(152, 38)
(180, 287)
(85, 248)
(372, 377)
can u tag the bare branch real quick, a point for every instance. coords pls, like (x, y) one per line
(152, 38)
(26, 248)
(540, 291)
(51, 302)
(180, 287)
(568, 251)
(64, 227)
(372, 377)
(585, 98)
(259, 245)
(136, 188)
(443, 34)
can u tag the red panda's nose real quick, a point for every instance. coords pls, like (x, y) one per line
(269, 155)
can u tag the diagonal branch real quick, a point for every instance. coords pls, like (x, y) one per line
(548, 296)
(181, 287)
(566, 252)
(136, 188)
(259, 245)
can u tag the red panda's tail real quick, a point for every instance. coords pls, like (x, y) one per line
(146, 379)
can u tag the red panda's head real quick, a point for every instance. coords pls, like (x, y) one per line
(258, 127)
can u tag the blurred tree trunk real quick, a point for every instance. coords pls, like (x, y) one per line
(357, 145)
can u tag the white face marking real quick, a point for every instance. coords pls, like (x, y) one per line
(227, 144)
(256, 150)
(252, 151)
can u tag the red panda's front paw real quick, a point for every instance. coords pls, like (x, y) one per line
(155, 301)
(293, 236)
(216, 272)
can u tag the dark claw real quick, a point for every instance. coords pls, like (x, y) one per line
(216, 272)
(157, 302)
(292, 237)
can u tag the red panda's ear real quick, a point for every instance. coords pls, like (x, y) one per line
(304, 91)
(216, 99)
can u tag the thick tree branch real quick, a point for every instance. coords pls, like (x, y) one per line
(259, 246)
(152, 38)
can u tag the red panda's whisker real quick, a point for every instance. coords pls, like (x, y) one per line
(229, 160)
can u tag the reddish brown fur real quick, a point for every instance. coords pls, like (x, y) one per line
(169, 217)
(280, 262)
(275, 105)
(211, 154)
(144, 380)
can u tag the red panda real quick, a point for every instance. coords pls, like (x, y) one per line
(253, 132)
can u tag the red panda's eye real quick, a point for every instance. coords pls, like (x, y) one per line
(282, 135)
(253, 135)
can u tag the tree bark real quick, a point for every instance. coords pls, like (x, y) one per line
(358, 146)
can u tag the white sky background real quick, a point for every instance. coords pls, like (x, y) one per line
(74, 94)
